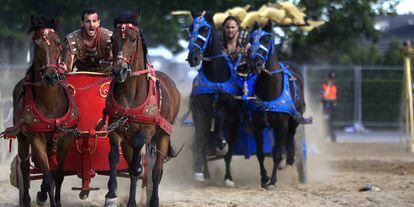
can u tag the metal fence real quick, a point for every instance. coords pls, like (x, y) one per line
(367, 95)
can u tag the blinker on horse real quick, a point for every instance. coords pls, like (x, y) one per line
(142, 104)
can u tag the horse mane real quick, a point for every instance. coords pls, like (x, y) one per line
(30, 70)
(42, 23)
(128, 17)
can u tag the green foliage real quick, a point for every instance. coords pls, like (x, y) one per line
(393, 56)
(347, 21)
(156, 22)
(334, 42)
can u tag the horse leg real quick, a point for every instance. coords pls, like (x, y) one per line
(64, 144)
(290, 142)
(162, 142)
(113, 158)
(221, 144)
(135, 167)
(202, 144)
(48, 183)
(198, 148)
(204, 153)
(281, 126)
(23, 150)
(258, 128)
(264, 179)
(228, 180)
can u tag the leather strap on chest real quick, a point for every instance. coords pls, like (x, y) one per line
(148, 112)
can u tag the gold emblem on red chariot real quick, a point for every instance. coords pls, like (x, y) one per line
(151, 109)
(28, 117)
(72, 90)
(104, 89)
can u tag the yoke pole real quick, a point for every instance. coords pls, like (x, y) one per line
(407, 51)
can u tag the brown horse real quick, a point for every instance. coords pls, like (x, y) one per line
(148, 100)
(42, 106)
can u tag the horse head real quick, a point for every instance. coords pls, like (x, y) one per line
(128, 46)
(200, 30)
(262, 47)
(47, 49)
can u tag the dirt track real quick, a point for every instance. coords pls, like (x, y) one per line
(335, 178)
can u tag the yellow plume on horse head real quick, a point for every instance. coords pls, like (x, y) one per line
(282, 13)
(238, 12)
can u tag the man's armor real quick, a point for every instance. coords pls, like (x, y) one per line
(90, 59)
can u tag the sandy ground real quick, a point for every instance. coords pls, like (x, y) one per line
(336, 171)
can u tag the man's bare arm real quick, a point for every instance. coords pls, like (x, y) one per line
(68, 57)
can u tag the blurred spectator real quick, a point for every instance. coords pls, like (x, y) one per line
(329, 103)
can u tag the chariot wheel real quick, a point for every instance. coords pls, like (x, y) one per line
(150, 154)
(301, 161)
(16, 178)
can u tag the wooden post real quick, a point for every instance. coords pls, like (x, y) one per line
(407, 51)
(1, 114)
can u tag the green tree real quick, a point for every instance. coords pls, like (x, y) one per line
(158, 26)
(393, 56)
(347, 21)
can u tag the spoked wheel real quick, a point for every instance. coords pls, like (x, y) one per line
(150, 154)
(301, 161)
(16, 178)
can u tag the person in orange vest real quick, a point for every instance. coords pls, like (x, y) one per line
(329, 92)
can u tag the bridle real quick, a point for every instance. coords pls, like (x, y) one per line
(197, 24)
(123, 27)
(256, 46)
(42, 35)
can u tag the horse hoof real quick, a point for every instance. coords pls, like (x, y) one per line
(283, 164)
(111, 202)
(41, 200)
(271, 187)
(266, 184)
(229, 183)
(199, 177)
(223, 151)
(141, 172)
(290, 161)
(84, 194)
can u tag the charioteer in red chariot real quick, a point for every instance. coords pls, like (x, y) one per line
(89, 48)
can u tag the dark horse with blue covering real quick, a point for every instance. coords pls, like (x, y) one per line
(280, 101)
(212, 102)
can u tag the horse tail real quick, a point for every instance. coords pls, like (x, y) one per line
(172, 153)
(297, 72)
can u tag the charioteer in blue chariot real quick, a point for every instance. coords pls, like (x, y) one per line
(89, 48)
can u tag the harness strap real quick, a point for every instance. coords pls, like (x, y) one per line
(96, 83)
(139, 114)
(141, 72)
